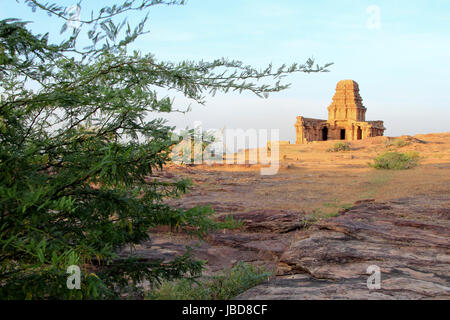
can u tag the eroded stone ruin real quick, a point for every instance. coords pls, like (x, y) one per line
(346, 119)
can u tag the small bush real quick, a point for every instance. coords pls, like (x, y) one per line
(339, 146)
(396, 160)
(225, 286)
(397, 143)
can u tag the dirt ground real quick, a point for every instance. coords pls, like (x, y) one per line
(310, 178)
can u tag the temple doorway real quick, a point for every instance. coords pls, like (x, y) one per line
(359, 133)
(342, 134)
(325, 134)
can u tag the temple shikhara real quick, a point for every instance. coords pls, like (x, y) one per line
(346, 119)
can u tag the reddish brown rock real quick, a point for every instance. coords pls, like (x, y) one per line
(266, 220)
(270, 245)
(408, 239)
(218, 255)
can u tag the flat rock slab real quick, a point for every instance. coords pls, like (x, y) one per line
(220, 250)
(304, 287)
(269, 220)
(408, 239)
(262, 240)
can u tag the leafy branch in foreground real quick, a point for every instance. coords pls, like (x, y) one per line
(79, 151)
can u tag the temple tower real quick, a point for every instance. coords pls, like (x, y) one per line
(347, 103)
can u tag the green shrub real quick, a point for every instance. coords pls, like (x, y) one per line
(225, 286)
(397, 143)
(339, 146)
(396, 160)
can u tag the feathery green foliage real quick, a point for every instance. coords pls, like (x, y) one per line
(78, 153)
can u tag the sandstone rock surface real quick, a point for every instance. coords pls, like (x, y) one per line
(408, 239)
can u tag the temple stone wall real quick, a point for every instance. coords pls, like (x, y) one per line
(308, 129)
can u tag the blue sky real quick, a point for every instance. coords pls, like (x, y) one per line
(402, 64)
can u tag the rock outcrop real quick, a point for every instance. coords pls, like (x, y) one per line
(270, 220)
(408, 239)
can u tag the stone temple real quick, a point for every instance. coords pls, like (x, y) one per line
(346, 119)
